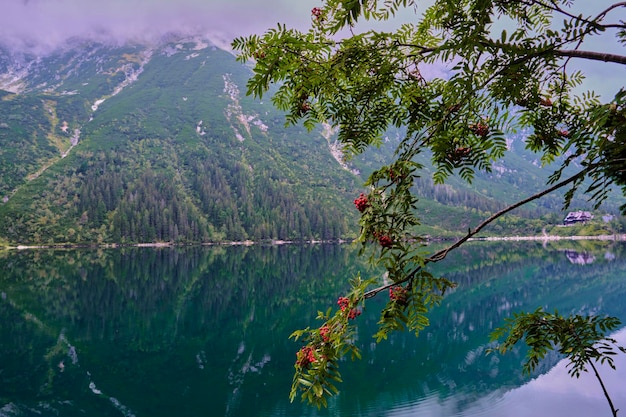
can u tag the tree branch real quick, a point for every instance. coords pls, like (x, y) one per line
(608, 9)
(595, 22)
(604, 391)
(440, 255)
(591, 55)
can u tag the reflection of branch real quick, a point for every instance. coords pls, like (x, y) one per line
(440, 255)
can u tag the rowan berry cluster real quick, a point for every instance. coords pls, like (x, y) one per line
(305, 356)
(479, 129)
(305, 107)
(324, 333)
(396, 175)
(361, 202)
(398, 294)
(344, 303)
(354, 313)
(316, 12)
(384, 240)
(546, 102)
(459, 153)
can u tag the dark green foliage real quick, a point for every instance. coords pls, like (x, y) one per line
(23, 130)
(581, 339)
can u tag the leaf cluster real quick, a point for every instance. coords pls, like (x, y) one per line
(409, 312)
(487, 81)
(317, 362)
(457, 84)
(582, 339)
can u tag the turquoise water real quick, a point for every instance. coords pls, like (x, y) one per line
(203, 331)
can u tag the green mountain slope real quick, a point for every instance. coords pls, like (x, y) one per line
(171, 152)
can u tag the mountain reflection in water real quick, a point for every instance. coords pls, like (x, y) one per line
(204, 331)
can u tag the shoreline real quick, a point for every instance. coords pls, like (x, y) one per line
(274, 242)
(615, 238)
(278, 242)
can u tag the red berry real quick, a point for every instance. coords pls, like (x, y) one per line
(305, 356)
(479, 129)
(457, 154)
(395, 175)
(545, 102)
(398, 294)
(354, 313)
(316, 11)
(385, 241)
(361, 202)
(324, 331)
(343, 303)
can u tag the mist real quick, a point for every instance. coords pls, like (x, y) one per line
(41, 25)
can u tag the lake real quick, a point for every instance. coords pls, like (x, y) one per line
(203, 331)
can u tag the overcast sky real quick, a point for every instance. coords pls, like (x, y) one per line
(42, 24)
(49, 22)
(52, 21)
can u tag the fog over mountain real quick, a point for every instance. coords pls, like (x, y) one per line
(41, 25)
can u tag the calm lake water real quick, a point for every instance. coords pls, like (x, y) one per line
(204, 331)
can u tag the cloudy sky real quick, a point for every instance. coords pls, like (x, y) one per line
(48, 22)
(52, 21)
(41, 24)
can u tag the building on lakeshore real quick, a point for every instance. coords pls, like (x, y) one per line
(574, 217)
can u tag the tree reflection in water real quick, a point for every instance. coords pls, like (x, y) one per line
(204, 330)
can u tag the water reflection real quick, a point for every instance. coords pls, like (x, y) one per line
(551, 394)
(203, 331)
(581, 258)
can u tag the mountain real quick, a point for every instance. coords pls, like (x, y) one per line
(128, 143)
(139, 143)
